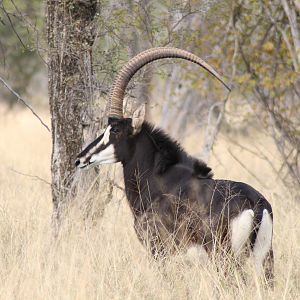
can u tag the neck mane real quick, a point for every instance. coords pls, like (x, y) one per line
(172, 153)
(154, 154)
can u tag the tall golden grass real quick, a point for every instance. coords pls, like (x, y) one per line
(105, 260)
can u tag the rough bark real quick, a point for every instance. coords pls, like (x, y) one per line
(70, 36)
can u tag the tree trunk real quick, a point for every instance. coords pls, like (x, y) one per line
(70, 39)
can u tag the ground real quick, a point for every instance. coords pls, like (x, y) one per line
(104, 260)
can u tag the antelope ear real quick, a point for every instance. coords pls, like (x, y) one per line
(138, 119)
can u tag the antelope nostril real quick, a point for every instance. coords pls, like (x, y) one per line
(77, 162)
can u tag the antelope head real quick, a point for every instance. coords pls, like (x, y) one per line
(113, 144)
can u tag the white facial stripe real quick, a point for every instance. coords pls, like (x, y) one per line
(105, 138)
(105, 156)
(103, 141)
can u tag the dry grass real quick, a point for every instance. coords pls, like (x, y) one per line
(106, 261)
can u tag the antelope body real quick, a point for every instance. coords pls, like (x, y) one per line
(175, 202)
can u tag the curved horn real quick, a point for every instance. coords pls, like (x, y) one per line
(140, 60)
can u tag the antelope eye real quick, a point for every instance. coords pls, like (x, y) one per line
(115, 130)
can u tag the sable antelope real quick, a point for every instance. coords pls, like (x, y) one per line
(173, 197)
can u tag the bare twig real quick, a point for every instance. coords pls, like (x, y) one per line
(246, 168)
(32, 27)
(260, 154)
(111, 181)
(35, 177)
(13, 27)
(24, 102)
(243, 147)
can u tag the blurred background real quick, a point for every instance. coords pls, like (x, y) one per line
(255, 45)
(252, 136)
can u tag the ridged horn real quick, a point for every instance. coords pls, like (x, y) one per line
(142, 59)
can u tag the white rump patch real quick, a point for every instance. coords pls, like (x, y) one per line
(196, 254)
(241, 227)
(263, 241)
(105, 156)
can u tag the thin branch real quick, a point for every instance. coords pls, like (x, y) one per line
(292, 17)
(182, 19)
(246, 168)
(111, 181)
(276, 23)
(31, 176)
(24, 102)
(24, 19)
(242, 147)
(13, 27)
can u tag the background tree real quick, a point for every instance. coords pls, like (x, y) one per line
(267, 39)
(21, 45)
(71, 35)
(254, 43)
